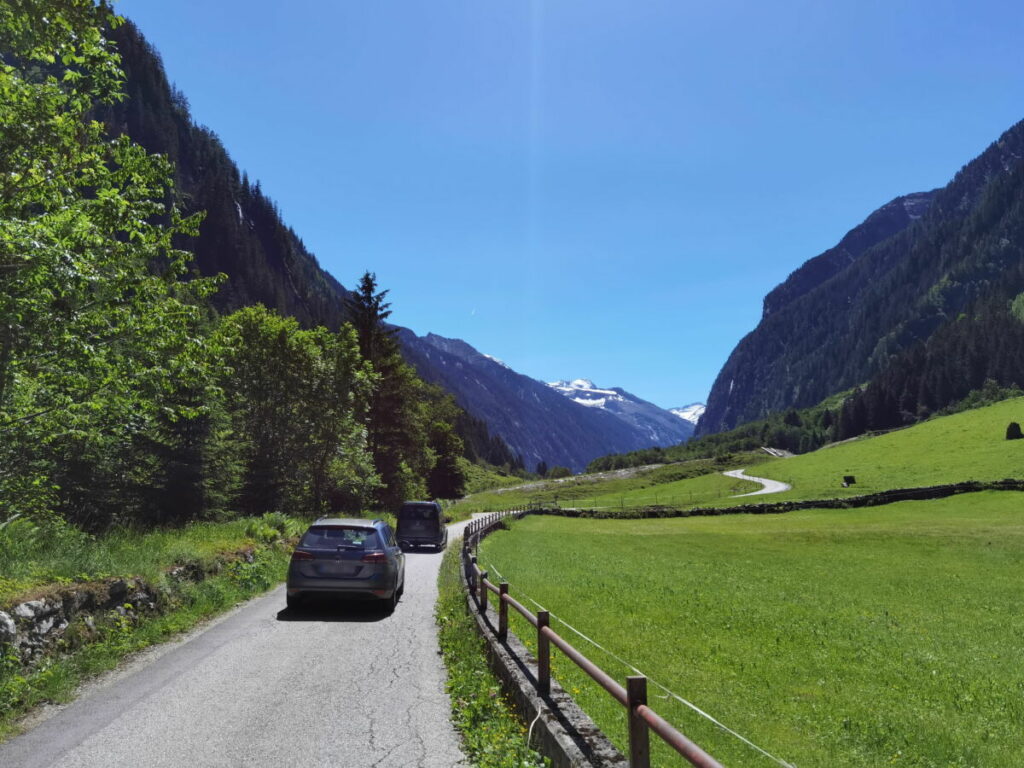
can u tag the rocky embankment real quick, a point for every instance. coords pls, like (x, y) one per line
(65, 617)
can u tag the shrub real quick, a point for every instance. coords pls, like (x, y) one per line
(1013, 431)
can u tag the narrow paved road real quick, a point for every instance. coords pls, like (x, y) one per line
(770, 486)
(340, 686)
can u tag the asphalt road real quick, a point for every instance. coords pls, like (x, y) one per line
(770, 486)
(334, 685)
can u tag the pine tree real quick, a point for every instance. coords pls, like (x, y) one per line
(397, 426)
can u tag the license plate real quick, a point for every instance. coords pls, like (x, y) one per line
(337, 569)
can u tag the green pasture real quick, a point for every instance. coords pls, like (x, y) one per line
(480, 477)
(965, 446)
(881, 636)
(693, 481)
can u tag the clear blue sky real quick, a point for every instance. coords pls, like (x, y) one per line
(596, 188)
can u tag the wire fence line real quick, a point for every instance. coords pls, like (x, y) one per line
(668, 692)
(640, 717)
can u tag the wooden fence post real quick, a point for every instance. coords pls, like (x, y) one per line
(639, 736)
(483, 592)
(472, 576)
(543, 654)
(502, 611)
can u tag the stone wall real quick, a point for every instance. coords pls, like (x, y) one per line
(66, 617)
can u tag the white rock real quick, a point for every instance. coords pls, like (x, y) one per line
(30, 610)
(8, 631)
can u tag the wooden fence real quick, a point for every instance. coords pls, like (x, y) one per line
(633, 696)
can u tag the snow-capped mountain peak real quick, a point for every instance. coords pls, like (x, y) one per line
(661, 427)
(690, 413)
(584, 392)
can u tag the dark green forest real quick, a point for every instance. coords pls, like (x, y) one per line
(169, 350)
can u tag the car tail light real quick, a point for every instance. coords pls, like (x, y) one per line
(375, 557)
(298, 554)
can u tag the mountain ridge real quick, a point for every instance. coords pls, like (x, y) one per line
(662, 427)
(244, 236)
(852, 324)
(536, 421)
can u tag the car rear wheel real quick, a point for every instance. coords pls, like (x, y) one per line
(293, 601)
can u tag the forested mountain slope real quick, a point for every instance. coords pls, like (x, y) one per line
(266, 262)
(242, 235)
(539, 423)
(923, 312)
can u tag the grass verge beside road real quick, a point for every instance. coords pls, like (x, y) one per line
(34, 557)
(492, 735)
(888, 635)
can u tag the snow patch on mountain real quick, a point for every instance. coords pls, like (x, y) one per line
(658, 425)
(582, 390)
(690, 413)
(493, 359)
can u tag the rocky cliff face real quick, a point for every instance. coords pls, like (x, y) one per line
(912, 267)
(535, 420)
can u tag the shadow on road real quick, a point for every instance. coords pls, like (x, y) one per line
(327, 609)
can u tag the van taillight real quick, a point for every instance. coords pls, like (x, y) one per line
(375, 557)
(298, 554)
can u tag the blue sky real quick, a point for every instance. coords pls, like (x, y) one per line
(590, 188)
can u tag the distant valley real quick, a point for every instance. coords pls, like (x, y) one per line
(895, 303)
(559, 425)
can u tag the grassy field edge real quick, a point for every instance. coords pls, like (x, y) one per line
(492, 734)
(880, 635)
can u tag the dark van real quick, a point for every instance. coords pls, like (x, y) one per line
(421, 524)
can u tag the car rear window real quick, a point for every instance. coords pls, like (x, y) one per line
(332, 536)
(418, 512)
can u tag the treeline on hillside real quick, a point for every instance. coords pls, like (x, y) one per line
(124, 397)
(852, 414)
(794, 431)
(972, 352)
(242, 235)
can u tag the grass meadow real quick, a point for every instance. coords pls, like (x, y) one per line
(60, 555)
(690, 482)
(965, 446)
(882, 636)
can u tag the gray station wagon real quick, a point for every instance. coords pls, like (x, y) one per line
(349, 558)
